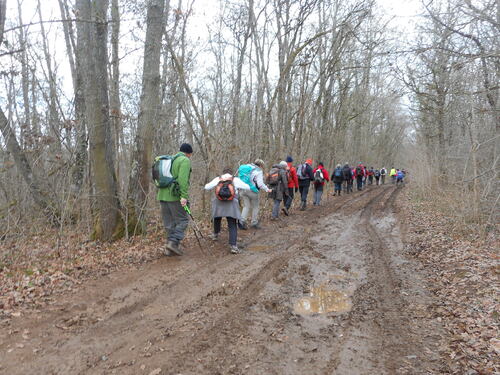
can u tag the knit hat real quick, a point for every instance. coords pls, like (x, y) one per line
(283, 163)
(186, 148)
(259, 162)
(289, 159)
(309, 161)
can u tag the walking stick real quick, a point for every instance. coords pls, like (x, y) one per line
(196, 229)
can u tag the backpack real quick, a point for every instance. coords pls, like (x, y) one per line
(338, 172)
(359, 171)
(383, 172)
(225, 191)
(347, 173)
(245, 173)
(302, 172)
(377, 173)
(273, 177)
(318, 176)
(161, 171)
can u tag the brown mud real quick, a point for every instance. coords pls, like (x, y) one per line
(325, 291)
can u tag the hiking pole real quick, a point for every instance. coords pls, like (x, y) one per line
(196, 229)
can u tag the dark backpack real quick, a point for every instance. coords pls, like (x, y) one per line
(273, 177)
(359, 171)
(161, 171)
(302, 172)
(347, 173)
(377, 173)
(225, 191)
(318, 176)
(338, 172)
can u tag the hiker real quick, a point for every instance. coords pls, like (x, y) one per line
(252, 175)
(305, 176)
(383, 173)
(359, 173)
(174, 198)
(370, 175)
(399, 177)
(376, 173)
(293, 184)
(338, 178)
(320, 178)
(347, 176)
(277, 179)
(392, 174)
(225, 204)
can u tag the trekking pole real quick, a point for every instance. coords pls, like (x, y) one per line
(196, 229)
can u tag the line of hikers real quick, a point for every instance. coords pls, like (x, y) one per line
(171, 175)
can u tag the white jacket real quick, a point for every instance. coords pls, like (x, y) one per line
(238, 184)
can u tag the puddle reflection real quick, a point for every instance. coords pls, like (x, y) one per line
(322, 300)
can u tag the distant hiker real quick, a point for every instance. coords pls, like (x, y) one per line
(293, 184)
(225, 204)
(360, 174)
(347, 176)
(252, 175)
(370, 173)
(338, 178)
(278, 181)
(305, 175)
(392, 174)
(376, 174)
(399, 177)
(320, 178)
(174, 197)
(383, 173)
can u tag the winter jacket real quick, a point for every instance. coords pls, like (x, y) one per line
(370, 172)
(294, 180)
(181, 171)
(346, 173)
(325, 176)
(393, 172)
(338, 179)
(257, 177)
(227, 208)
(362, 174)
(280, 190)
(383, 172)
(310, 176)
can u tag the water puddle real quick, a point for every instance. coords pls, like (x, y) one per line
(258, 247)
(322, 300)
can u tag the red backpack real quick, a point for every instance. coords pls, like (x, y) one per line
(225, 191)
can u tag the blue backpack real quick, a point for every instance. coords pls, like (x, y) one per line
(338, 172)
(244, 173)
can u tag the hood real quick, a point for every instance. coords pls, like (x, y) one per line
(279, 166)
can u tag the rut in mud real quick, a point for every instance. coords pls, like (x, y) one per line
(326, 291)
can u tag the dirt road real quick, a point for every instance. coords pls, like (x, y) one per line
(326, 291)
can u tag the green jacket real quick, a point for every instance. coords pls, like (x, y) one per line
(181, 170)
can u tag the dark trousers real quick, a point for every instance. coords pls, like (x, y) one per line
(377, 179)
(231, 224)
(304, 190)
(349, 185)
(359, 181)
(338, 186)
(175, 220)
(383, 179)
(370, 180)
(289, 199)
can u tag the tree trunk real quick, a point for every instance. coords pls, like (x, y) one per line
(149, 109)
(108, 223)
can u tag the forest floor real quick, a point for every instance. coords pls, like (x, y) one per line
(343, 288)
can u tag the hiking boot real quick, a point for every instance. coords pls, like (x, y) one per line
(214, 236)
(255, 226)
(285, 211)
(234, 249)
(174, 247)
(242, 225)
(167, 253)
(303, 206)
(274, 218)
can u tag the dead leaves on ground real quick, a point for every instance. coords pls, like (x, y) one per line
(463, 275)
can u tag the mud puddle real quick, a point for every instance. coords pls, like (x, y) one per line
(322, 300)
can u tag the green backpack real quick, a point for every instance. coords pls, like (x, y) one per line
(162, 171)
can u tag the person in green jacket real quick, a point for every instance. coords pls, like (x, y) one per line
(173, 199)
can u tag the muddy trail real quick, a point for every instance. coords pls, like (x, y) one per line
(325, 291)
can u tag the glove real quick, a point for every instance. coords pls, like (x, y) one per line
(296, 189)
